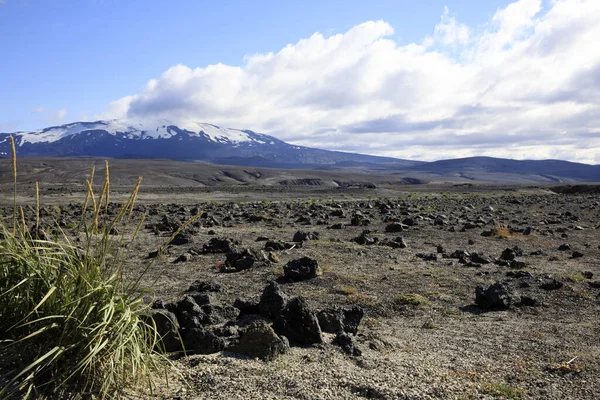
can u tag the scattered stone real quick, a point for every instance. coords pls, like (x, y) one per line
(358, 219)
(277, 245)
(204, 286)
(508, 255)
(181, 238)
(247, 307)
(516, 264)
(185, 257)
(336, 226)
(577, 254)
(395, 227)
(240, 260)
(218, 245)
(202, 340)
(551, 284)
(272, 301)
(480, 258)
(298, 323)
(167, 328)
(587, 274)
(365, 239)
(346, 343)
(200, 298)
(301, 269)
(458, 254)
(396, 243)
(215, 314)
(564, 247)
(338, 319)
(529, 301)
(427, 257)
(302, 236)
(189, 314)
(259, 340)
(496, 296)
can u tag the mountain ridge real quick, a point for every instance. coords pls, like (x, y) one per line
(208, 143)
(182, 141)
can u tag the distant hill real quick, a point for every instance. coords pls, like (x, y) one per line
(484, 168)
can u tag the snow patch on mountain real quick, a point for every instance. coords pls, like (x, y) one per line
(143, 129)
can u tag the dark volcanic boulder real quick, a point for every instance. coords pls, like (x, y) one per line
(298, 323)
(302, 236)
(550, 283)
(496, 296)
(338, 319)
(181, 238)
(395, 227)
(346, 344)
(277, 245)
(218, 245)
(202, 340)
(239, 260)
(204, 286)
(247, 307)
(272, 301)
(301, 269)
(397, 243)
(167, 328)
(214, 314)
(189, 313)
(365, 239)
(358, 219)
(259, 340)
(508, 255)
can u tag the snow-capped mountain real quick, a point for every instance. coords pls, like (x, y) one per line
(185, 140)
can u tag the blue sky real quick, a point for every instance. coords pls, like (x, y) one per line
(66, 61)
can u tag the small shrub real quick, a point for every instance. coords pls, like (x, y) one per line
(502, 391)
(347, 290)
(565, 368)
(412, 299)
(501, 230)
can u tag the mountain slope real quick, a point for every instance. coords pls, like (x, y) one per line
(184, 141)
(480, 168)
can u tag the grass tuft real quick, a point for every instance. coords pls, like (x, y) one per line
(412, 299)
(68, 323)
(503, 391)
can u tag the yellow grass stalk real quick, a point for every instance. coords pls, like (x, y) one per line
(134, 195)
(14, 171)
(106, 182)
(37, 208)
(23, 220)
(103, 193)
(91, 195)
(87, 193)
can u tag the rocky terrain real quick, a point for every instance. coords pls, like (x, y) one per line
(463, 293)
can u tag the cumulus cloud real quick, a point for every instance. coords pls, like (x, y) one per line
(526, 84)
(58, 116)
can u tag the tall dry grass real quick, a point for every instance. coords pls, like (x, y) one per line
(69, 323)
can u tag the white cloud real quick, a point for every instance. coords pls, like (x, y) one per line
(524, 85)
(449, 32)
(39, 109)
(58, 116)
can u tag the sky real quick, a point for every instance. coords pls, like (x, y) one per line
(426, 80)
